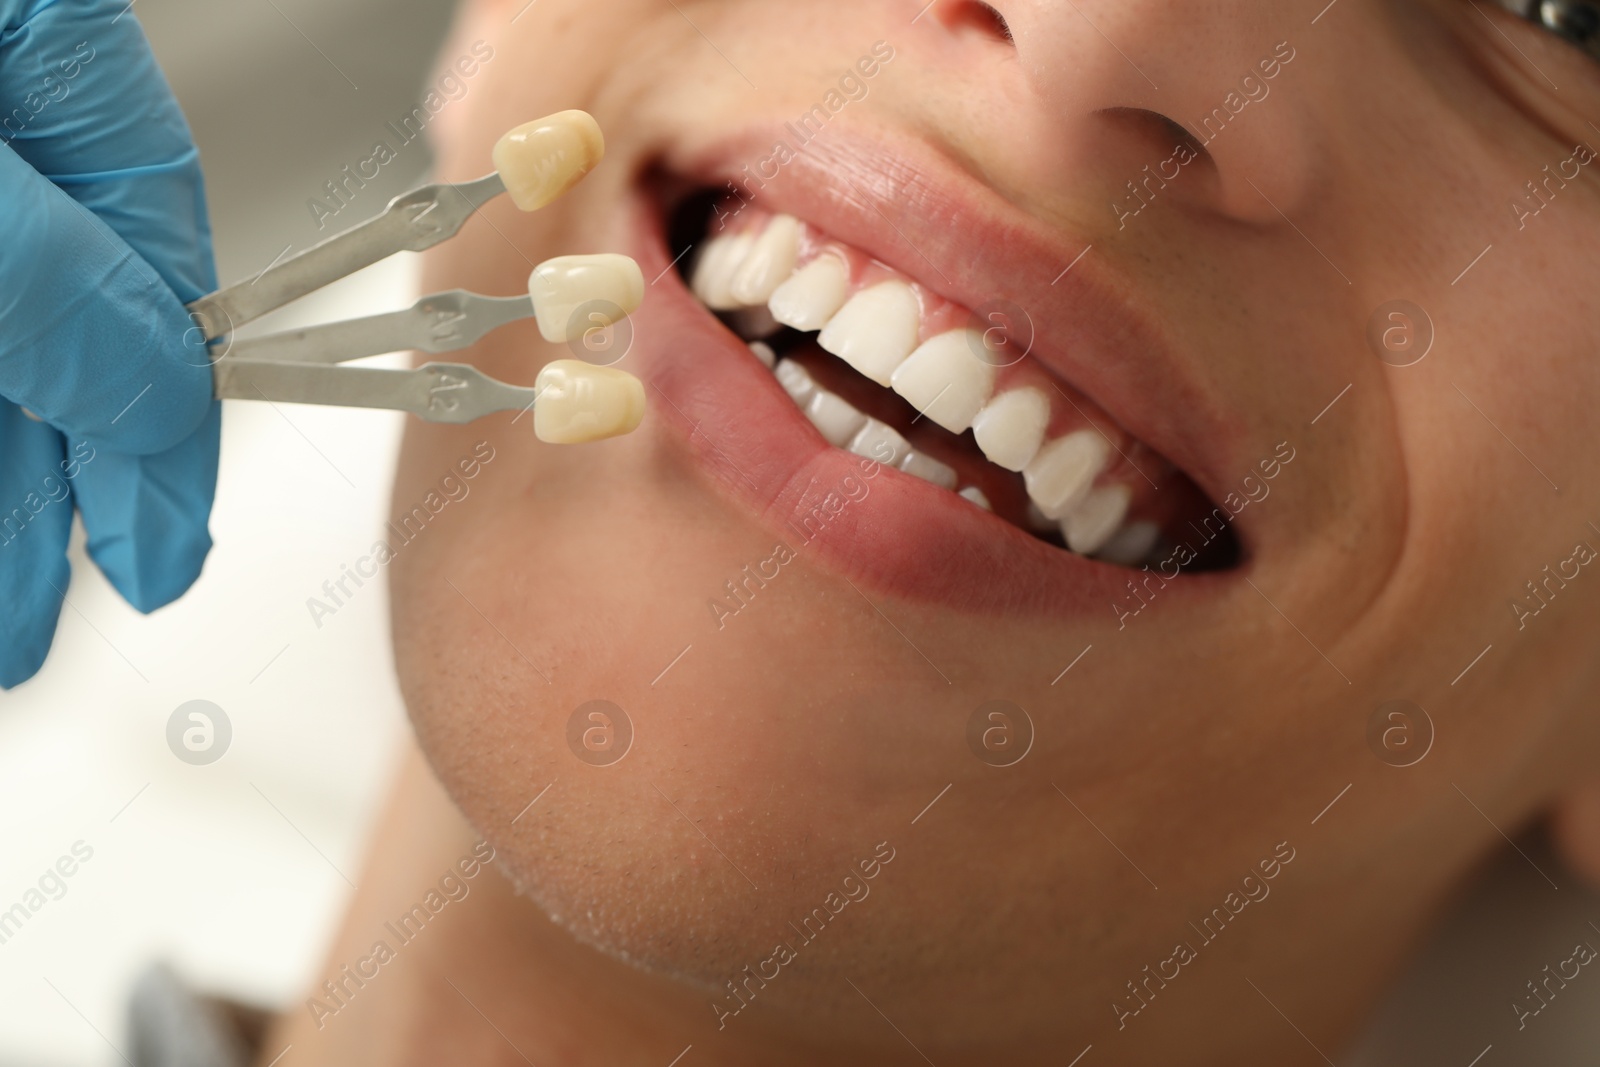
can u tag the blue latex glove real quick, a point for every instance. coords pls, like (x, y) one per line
(103, 239)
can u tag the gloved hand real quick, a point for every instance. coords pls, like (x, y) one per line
(103, 239)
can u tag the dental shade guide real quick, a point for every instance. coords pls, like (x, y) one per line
(536, 163)
(412, 222)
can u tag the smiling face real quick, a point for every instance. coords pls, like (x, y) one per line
(1196, 222)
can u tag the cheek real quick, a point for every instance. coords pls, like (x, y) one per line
(749, 750)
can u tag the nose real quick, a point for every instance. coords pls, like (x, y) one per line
(1204, 104)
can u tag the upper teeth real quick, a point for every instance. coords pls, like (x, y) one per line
(1010, 428)
(1090, 525)
(813, 295)
(1061, 475)
(713, 277)
(945, 380)
(877, 329)
(769, 261)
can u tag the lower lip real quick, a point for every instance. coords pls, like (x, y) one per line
(885, 530)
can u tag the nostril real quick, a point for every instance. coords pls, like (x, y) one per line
(974, 15)
(997, 23)
(1163, 131)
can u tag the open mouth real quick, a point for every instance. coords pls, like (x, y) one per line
(885, 368)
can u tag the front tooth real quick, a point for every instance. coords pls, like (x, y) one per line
(1131, 545)
(720, 265)
(834, 418)
(976, 496)
(771, 260)
(560, 287)
(1010, 428)
(1089, 524)
(880, 442)
(876, 330)
(1061, 474)
(945, 380)
(929, 470)
(796, 381)
(764, 353)
(813, 295)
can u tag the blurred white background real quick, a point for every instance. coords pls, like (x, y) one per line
(236, 872)
(233, 870)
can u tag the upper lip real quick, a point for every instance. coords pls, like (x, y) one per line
(895, 199)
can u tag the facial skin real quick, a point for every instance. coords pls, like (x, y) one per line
(1184, 748)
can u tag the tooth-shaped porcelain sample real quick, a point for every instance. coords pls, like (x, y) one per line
(771, 261)
(834, 418)
(1010, 428)
(1061, 474)
(879, 441)
(875, 330)
(976, 496)
(812, 295)
(540, 160)
(929, 470)
(945, 380)
(579, 402)
(764, 353)
(1131, 545)
(611, 285)
(1090, 523)
(796, 381)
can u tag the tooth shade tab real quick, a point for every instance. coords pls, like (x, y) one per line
(875, 330)
(771, 261)
(812, 295)
(540, 160)
(796, 381)
(1010, 428)
(1093, 520)
(1061, 474)
(605, 287)
(946, 380)
(835, 419)
(881, 442)
(578, 402)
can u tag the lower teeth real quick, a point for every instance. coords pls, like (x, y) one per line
(843, 426)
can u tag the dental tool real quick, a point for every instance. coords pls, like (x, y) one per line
(568, 296)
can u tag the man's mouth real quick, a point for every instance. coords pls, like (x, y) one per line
(887, 369)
